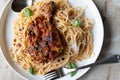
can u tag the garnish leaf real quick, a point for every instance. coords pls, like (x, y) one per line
(77, 23)
(71, 66)
(31, 70)
(27, 12)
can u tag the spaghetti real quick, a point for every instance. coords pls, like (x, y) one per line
(77, 40)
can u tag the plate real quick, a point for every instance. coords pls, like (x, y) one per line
(6, 36)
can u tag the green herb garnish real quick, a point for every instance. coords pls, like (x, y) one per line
(71, 66)
(72, 73)
(77, 23)
(31, 70)
(27, 12)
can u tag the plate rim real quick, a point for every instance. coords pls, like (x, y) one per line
(1, 45)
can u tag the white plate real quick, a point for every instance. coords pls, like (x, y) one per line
(6, 36)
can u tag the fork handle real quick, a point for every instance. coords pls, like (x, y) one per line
(112, 59)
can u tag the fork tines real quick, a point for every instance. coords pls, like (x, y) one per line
(51, 75)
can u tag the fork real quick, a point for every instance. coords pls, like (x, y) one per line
(64, 71)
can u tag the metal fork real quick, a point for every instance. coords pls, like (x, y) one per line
(64, 71)
(57, 73)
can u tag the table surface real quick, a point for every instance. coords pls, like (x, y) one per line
(110, 12)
